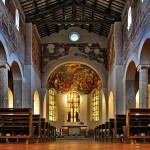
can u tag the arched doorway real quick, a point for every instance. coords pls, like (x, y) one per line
(36, 103)
(144, 73)
(44, 107)
(111, 105)
(10, 98)
(16, 84)
(103, 108)
(137, 99)
(132, 83)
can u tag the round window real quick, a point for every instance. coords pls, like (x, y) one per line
(74, 36)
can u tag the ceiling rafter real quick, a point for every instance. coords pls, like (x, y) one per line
(53, 9)
(96, 9)
(51, 16)
(92, 13)
(100, 21)
(108, 11)
(56, 25)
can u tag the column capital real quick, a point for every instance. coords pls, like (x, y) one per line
(139, 67)
(4, 65)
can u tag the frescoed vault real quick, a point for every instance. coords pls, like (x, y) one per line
(74, 76)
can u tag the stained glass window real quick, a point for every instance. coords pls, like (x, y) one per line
(95, 105)
(73, 107)
(17, 19)
(52, 105)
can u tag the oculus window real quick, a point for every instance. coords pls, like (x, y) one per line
(74, 36)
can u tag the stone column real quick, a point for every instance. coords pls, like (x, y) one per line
(17, 88)
(143, 87)
(4, 85)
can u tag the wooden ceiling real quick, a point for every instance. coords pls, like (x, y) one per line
(51, 16)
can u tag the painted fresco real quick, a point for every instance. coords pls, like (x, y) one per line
(74, 76)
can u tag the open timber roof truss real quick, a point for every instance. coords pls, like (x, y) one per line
(51, 16)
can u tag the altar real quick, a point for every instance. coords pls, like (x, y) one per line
(73, 130)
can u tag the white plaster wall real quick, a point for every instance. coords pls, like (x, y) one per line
(85, 37)
(32, 82)
(112, 87)
(115, 84)
(35, 86)
(26, 87)
(119, 89)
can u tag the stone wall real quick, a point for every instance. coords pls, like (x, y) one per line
(140, 25)
(15, 39)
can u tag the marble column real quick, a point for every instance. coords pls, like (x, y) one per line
(143, 87)
(17, 88)
(4, 85)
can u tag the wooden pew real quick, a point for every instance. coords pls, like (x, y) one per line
(102, 130)
(37, 128)
(110, 129)
(138, 124)
(96, 132)
(16, 123)
(119, 122)
(52, 133)
(44, 130)
(106, 132)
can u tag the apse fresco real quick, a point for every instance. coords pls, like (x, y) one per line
(74, 76)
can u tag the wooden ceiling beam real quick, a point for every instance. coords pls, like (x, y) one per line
(56, 25)
(96, 9)
(102, 21)
(92, 13)
(53, 9)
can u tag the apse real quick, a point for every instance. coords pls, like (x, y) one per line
(74, 77)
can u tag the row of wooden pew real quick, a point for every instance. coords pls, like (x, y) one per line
(132, 127)
(19, 124)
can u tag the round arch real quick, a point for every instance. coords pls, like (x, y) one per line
(44, 107)
(13, 58)
(3, 46)
(17, 84)
(103, 108)
(16, 71)
(111, 105)
(137, 99)
(99, 68)
(144, 39)
(133, 58)
(36, 102)
(10, 98)
(131, 82)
